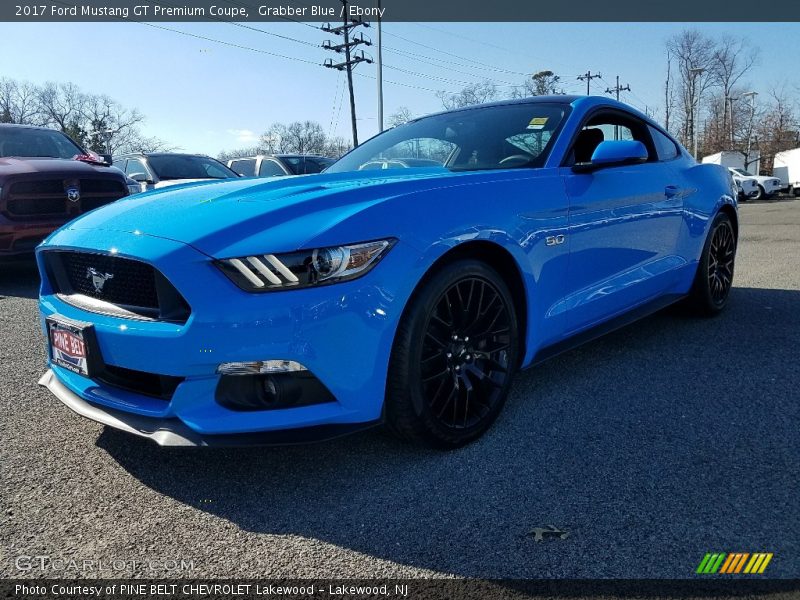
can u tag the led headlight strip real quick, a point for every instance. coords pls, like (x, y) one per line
(304, 268)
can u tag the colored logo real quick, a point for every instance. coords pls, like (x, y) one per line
(734, 562)
(73, 194)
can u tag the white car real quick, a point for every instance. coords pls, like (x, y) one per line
(747, 186)
(767, 186)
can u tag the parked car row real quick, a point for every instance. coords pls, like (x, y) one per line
(279, 165)
(765, 186)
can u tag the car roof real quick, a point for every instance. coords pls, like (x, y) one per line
(22, 126)
(148, 154)
(585, 103)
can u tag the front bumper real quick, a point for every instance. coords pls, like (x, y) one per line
(342, 333)
(20, 238)
(173, 432)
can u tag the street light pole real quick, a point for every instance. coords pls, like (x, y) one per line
(380, 73)
(750, 128)
(696, 108)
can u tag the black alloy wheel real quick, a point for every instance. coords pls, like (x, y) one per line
(465, 354)
(714, 278)
(722, 252)
(455, 354)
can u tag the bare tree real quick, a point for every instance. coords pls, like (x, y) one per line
(113, 127)
(778, 125)
(19, 102)
(693, 54)
(400, 116)
(476, 93)
(543, 83)
(731, 60)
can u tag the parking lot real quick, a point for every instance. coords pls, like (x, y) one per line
(652, 446)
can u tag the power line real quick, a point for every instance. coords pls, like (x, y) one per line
(231, 44)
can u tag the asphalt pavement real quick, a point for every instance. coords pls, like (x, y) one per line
(650, 447)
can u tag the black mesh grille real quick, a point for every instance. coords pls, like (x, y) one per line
(128, 284)
(139, 382)
(125, 282)
(103, 186)
(45, 186)
(37, 206)
(48, 197)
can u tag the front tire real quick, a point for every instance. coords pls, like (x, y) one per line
(762, 193)
(454, 356)
(714, 278)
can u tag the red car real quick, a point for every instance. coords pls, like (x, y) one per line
(46, 179)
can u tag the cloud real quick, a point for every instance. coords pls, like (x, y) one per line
(244, 136)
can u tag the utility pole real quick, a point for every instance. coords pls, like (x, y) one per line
(351, 59)
(380, 73)
(587, 77)
(617, 89)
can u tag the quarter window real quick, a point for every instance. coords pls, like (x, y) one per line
(665, 147)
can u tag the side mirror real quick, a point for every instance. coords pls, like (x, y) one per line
(107, 158)
(614, 153)
(139, 177)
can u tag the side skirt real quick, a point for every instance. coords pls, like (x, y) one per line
(641, 311)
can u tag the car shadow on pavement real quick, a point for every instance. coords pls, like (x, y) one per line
(658, 443)
(19, 279)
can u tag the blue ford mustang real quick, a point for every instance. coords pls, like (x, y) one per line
(255, 311)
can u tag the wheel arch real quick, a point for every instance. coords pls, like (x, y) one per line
(498, 258)
(730, 211)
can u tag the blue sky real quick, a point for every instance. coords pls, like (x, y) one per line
(203, 96)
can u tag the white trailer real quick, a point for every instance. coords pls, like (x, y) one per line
(733, 160)
(787, 169)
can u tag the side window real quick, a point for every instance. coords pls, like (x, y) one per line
(244, 166)
(609, 126)
(665, 147)
(269, 168)
(135, 166)
(120, 163)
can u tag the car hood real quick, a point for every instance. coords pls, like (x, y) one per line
(241, 216)
(62, 167)
(164, 183)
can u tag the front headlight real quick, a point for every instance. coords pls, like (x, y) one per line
(304, 268)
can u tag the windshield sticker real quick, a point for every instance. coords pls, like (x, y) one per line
(537, 123)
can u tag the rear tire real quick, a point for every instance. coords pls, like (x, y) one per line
(454, 356)
(714, 278)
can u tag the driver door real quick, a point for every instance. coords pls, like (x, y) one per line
(623, 225)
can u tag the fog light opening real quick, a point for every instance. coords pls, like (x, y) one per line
(271, 391)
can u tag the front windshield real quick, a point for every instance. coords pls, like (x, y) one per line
(743, 172)
(491, 137)
(36, 143)
(184, 166)
(307, 165)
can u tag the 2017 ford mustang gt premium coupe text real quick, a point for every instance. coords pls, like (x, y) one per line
(266, 311)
